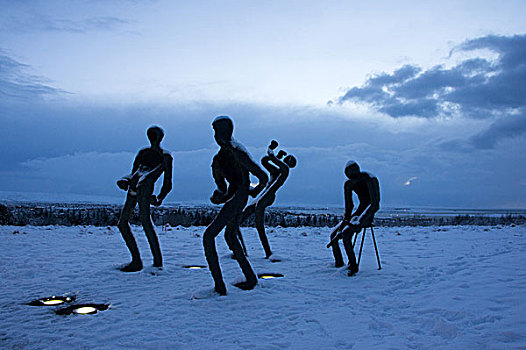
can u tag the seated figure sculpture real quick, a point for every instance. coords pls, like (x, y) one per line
(149, 164)
(232, 164)
(279, 172)
(367, 189)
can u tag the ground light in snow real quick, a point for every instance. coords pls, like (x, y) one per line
(52, 301)
(82, 309)
(268, 276)
(194, 267)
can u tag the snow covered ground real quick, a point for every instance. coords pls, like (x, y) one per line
(440, 288)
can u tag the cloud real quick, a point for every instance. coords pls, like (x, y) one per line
(478, 88)
(42, 23)
(17, 83)
(512, 126)
(67, 146)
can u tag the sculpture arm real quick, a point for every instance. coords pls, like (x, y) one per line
(349, 205)
(282, 166)
(218, 176)
(281, 176)
(136, 163)
(124, 182)
(167, 177)
(246, 161)
(265, 161)
(374, 193)
(223, 191)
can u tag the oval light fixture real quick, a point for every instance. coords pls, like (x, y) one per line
(82, 309)
(195, 267)
(268, 276)
(52, 300)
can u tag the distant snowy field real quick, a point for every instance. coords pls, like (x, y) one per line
(440, 288)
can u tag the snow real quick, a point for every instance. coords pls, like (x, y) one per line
(455, 287)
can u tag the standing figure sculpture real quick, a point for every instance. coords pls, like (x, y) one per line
(279, 172)
(149, 164)
(234, 164)
(367, 189)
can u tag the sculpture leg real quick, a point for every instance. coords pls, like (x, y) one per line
(338, 259)
(247, 212)
(242, 242)
(231, 234)
(125, 229)
(260, 226)
(209, 246)
(348, 245)
(146, 220)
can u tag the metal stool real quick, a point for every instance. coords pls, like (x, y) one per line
(361, 245)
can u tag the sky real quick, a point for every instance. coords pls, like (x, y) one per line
(428, 96)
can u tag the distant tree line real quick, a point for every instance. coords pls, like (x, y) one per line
(108, 215)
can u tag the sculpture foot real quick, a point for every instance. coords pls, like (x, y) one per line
(246, 285)
(353, 270)
(220, 289)
(132, 267)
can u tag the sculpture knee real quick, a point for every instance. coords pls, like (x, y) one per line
(208, 239)
(123, 225)
(259, 214)
(229, 240)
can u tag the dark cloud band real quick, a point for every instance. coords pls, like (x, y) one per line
(475, 88)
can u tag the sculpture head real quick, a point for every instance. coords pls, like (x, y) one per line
(290, 160)
(352, 169)
(223, 128)
(155, 135)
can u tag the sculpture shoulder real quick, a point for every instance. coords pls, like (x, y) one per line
(237, 146)
(240, 152)
(371, 177)
(368, 175)
(143, 151)
(167, 155)
(351, 184)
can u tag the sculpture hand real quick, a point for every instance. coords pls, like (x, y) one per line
(355, 220)
(123, 184)
(281, 154)
(217, 197)
(254, 191)
(155, 201)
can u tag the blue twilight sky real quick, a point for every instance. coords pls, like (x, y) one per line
(429, 96)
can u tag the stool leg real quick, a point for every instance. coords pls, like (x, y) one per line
(376, 249)
(361, 246)
(354, 241)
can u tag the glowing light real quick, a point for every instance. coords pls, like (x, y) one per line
(194, 267)
(52, 301)
(82, 309)
(85, 310)
(409, 181)
(268, 276)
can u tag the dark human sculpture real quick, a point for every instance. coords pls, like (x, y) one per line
(367, 188)
(232, 164)
(279, 172)
(149, 164)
